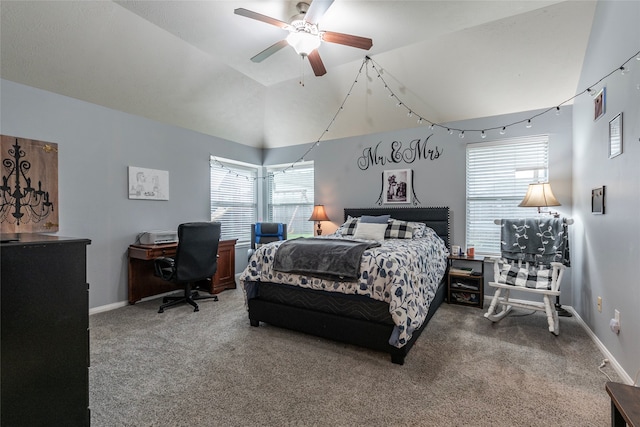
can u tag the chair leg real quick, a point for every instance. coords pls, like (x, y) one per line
(552, 316)
(189, 297)
(504, 303)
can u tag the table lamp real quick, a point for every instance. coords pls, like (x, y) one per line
(318, 215)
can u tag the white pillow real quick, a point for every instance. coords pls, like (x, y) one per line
(369, 231)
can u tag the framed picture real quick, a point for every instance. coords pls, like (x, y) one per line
(148, 184)
(397, 186)
(615, 136)
(600, 104)
(597, 200)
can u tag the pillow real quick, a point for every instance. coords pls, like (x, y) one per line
(380, 219)
(418, 229)
(369, 231)
(398, 230)
(536, 278)
(348, 228)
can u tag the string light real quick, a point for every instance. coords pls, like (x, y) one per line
(623, 69)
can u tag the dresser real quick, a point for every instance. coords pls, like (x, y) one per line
(144, 283)
(45, 331)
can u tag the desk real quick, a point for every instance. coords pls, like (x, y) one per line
(144, 283)
(625, 404)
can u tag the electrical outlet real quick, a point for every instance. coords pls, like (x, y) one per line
(600, 304)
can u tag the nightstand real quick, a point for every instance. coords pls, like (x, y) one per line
(465, 281)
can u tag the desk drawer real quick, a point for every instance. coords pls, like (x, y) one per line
(151, 252)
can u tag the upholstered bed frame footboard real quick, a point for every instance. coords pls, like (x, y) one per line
(363, 333)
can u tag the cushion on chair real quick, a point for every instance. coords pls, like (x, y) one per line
(532, 277)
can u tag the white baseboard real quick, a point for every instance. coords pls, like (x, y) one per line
(121, 304)
(612, 360)
(107, 307)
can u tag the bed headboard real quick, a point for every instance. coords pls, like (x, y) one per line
(436, 218)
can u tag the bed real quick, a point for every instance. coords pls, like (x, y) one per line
(362, 312)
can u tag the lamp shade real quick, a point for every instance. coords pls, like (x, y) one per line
(303, 42)
(319, 214)
(539, 195)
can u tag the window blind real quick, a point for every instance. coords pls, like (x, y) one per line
(498, 175)
(234, 198)
(290, 197)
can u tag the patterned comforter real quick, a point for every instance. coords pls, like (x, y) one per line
(402, 272)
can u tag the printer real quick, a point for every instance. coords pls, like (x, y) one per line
(158, 237)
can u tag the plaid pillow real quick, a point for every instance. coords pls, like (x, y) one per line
(349, 227)
(535, 278)
(398, 230)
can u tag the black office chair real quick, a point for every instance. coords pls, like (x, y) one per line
(194, 264)
(266, 232)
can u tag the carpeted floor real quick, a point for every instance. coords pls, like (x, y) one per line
(212, 368)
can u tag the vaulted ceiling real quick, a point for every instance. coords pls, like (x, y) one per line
(187, 63)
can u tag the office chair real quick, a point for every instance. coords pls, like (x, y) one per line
(195, 262)
(266, 232)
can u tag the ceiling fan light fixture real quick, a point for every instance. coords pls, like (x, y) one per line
(304, 38)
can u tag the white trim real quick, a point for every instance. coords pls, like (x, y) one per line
(107, 307)
(612, 360)
(121, 304)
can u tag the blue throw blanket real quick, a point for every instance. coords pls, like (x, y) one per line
(334, 259)
(538, 241)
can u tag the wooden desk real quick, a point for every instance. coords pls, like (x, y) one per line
(144, 283)
(625, 404)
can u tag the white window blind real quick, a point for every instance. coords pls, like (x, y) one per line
(290, 197)
(498, 175)
(234, 198)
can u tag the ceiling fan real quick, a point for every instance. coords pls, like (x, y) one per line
(304, 35)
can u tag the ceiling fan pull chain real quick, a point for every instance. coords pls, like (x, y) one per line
(301, 71)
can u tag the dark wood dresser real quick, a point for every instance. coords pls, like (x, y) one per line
(143, 282)
(45, 331)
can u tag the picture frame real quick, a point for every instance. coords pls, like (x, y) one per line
(148, 184)
(397, 186)
(600, 104)
(597, 200)
(615, 136)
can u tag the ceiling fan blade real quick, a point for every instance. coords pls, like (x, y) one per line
(260, 17)
(316, 63)
(347, 39)
(269, 51)
(317, 10)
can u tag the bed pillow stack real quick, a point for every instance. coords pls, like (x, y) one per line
(371, 227)
(394, 229)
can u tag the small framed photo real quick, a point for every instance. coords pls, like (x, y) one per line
(148, 184)
(397, 186)
(600, 104)
(615, 136)
(597, 201)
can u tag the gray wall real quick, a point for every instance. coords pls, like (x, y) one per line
(608, 246)
(341, 183)
(96, 145)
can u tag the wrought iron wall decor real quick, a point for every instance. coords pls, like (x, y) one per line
(29, 187)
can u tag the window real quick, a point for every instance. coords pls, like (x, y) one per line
(290, 197)
(498, 175)
(234, 198)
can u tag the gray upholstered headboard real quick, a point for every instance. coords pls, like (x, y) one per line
(436, 218)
